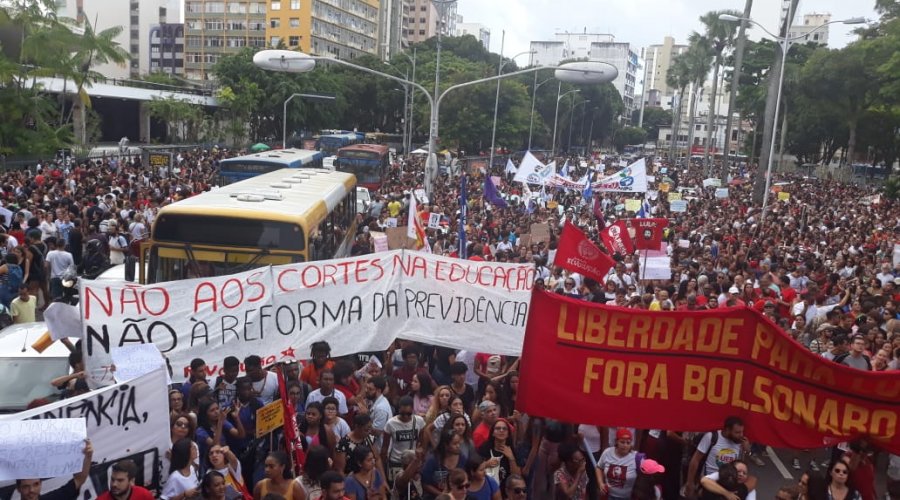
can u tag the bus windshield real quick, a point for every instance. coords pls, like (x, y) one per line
(171, 263)
(365, 166)
(200, 229)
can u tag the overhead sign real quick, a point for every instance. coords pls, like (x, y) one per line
(689, 370)
(356, 304)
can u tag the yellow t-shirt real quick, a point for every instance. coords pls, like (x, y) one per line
(394, 208)
(23, 312)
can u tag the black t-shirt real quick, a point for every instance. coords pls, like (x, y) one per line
(468, 397)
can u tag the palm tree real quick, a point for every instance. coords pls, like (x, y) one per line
(697, 60)
(92, 48)
(677, 77)
(718, 36)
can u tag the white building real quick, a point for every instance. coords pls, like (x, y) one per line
(626, 61)
(136, 17)
(565, 46)
(810, 23)
(657, 61)
(422, 20)
(481, 32)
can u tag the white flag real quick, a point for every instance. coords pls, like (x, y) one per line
(532, 171)
(510, 168)
(631, 179)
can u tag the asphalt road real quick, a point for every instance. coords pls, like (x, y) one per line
(778, 472)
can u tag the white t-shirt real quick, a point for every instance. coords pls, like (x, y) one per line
(316, 396)
(619, 473)
(266, 388)
(724, 452)
(340, 427)
(591, 436)
(59, 261)
(177, 484)
(404, 435)
(121, 243)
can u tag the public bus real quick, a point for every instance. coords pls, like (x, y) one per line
(247, 166)
(368, 162)
(393, 141)
(330, 143)
(280, 217)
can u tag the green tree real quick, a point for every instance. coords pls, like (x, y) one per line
(654, 119)
(679, 77)
(628, 136)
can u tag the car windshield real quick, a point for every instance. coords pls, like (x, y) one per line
(27, 379)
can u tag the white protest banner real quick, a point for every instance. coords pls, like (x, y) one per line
(128, 420)
(631, 179)
(41, 448)
(355, 304)
(713, 182)
(532, 171)
(434, 220)
(721, 193)
(379, 241)
(132, 361)
(678, 206)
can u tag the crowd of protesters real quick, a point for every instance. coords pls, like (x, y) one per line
(420, 421)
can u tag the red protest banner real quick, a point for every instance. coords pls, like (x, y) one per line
(577, 253)
(689, 370)
(616, 239)
(648, 233)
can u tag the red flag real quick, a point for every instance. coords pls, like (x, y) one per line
(577, 253)
(598, 213)
(648, 233)
(616, 239)
(291, 432)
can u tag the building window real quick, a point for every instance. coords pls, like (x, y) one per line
(276, 4)
(295, 4)
(273, 41)
(422, 32)
(295, 22)
(275, 22)
(294, 41)
(422, 20)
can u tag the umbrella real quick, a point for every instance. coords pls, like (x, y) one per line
(419, 151)
(259, 147)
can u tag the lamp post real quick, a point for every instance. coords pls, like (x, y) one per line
(572, 120)
(584, 72)
(284, 114)
(534, 89)
(556, 117)
(784, 42)
(497, 96)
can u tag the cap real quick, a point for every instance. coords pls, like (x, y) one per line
(734, 289)
(486, 405)
(897, 281)
(650, 466)
(623, 433)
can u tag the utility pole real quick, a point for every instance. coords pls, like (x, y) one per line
(735, 83)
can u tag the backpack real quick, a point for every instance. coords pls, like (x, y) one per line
(840, 360)
(6, 318)
(701, 470)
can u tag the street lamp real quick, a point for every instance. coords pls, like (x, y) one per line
(571, 121)
(785, 45)
(284, 114)
(298, 62)
(556, 116)
(533, 98)
(497, 96)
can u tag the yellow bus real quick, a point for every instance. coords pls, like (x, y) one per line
(281, 217)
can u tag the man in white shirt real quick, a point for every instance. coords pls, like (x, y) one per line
(379, 407)
(326, 389)
(716, 449)
(118, 245)
(56, 263)
(265, 383)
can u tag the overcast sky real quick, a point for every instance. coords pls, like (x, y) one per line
(639, 22)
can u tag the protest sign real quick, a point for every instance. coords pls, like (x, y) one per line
(269, 418)
(673, 196)
(784, 196)
(540, 232)
(678, 206)
(632, 205)
(41, 448)
(434, 220)
(664, 187)
(398, 239)
(721, 193)
(379, 241)
(655, 268)
(126, 420)
(712, 182)
(132, 361)
(689, 370)
(356, 304)
(391, 222)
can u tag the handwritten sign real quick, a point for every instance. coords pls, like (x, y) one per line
(391, 222)
(721, 193)
(269, 418)
(632, 205)
(673, 196)
(41, 448)
(712, 182)
(784, 196)
(434, 220)
(135, 360)
(397, 238)
(678, 206)
(379, 241)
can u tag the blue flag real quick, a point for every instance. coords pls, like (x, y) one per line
(644, 212)
(588, 192)
(492, 195)
(463, 217)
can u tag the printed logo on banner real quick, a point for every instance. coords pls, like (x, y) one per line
(587, 251)
(541, 172)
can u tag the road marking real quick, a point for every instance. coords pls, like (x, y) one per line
(778, 463)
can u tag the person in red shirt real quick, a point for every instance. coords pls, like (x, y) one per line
(121, 483)
(862, 469)
(321, 361)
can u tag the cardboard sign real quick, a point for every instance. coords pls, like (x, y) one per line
(524, 240)
(540, 232)
(673, 196)
(721, 193)
(784, 196)
(434, 220)
(678, 206)
(41, 448)
(379, 241)
(269, 418)
(398, 238)
(632, 205)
